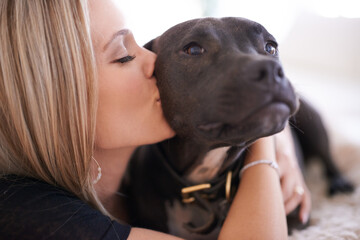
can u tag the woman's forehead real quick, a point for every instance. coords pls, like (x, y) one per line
(106, 19)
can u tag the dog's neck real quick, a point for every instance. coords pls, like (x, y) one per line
(197, 163)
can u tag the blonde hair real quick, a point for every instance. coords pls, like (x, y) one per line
(48, 92)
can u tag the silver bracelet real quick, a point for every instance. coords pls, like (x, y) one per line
(272, 164)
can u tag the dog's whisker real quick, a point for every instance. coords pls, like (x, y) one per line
(292, 125)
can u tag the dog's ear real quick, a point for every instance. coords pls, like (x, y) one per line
(151, 45)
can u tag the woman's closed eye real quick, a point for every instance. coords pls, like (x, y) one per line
(124, 59)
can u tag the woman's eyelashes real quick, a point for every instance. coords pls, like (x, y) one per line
(124, 59)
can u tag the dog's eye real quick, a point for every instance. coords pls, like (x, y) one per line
(194, 49)
(271, 48)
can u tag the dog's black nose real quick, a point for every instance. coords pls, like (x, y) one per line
(267, 71)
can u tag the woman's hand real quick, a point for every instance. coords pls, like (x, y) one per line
(294, 189)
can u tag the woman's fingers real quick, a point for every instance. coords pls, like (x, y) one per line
(305, 206)
(301, 196)
(287, 187)
(293, 187)
(294, 201)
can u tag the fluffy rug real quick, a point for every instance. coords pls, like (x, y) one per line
(337, 217)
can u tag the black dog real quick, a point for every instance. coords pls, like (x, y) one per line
(222, 87)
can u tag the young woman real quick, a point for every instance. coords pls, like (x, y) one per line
(77, 96)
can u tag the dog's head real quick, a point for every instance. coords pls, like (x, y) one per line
(221, 82)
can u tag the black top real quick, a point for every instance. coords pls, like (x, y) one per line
(32, 209)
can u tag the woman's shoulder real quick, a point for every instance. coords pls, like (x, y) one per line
(30, 208)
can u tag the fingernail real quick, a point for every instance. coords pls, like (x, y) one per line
(304, 218)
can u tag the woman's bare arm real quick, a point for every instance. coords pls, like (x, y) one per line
(257, 211)
(142, 234)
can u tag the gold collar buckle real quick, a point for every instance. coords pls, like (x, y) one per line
(187, 190)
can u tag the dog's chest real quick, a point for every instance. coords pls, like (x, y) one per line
(180, 214)
(209, 207)
(209, 166)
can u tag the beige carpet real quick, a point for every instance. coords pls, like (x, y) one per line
(337, 217)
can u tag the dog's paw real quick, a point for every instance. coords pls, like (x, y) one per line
(294, 223)
(339, 184)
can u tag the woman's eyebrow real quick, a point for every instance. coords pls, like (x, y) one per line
(117, 34)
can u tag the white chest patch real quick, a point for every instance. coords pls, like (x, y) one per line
(209, 166)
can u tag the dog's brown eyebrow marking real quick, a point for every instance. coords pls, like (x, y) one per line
(117, 34)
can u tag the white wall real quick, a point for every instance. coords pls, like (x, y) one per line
(331, 45)
(150, 18)
(321, 56)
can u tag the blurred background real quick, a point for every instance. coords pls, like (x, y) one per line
(319, 43)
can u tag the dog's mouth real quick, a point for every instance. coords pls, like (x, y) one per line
(269, 118)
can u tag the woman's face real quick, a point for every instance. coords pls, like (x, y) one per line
(129, 111)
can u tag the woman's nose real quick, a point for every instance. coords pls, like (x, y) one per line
(149, 63)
